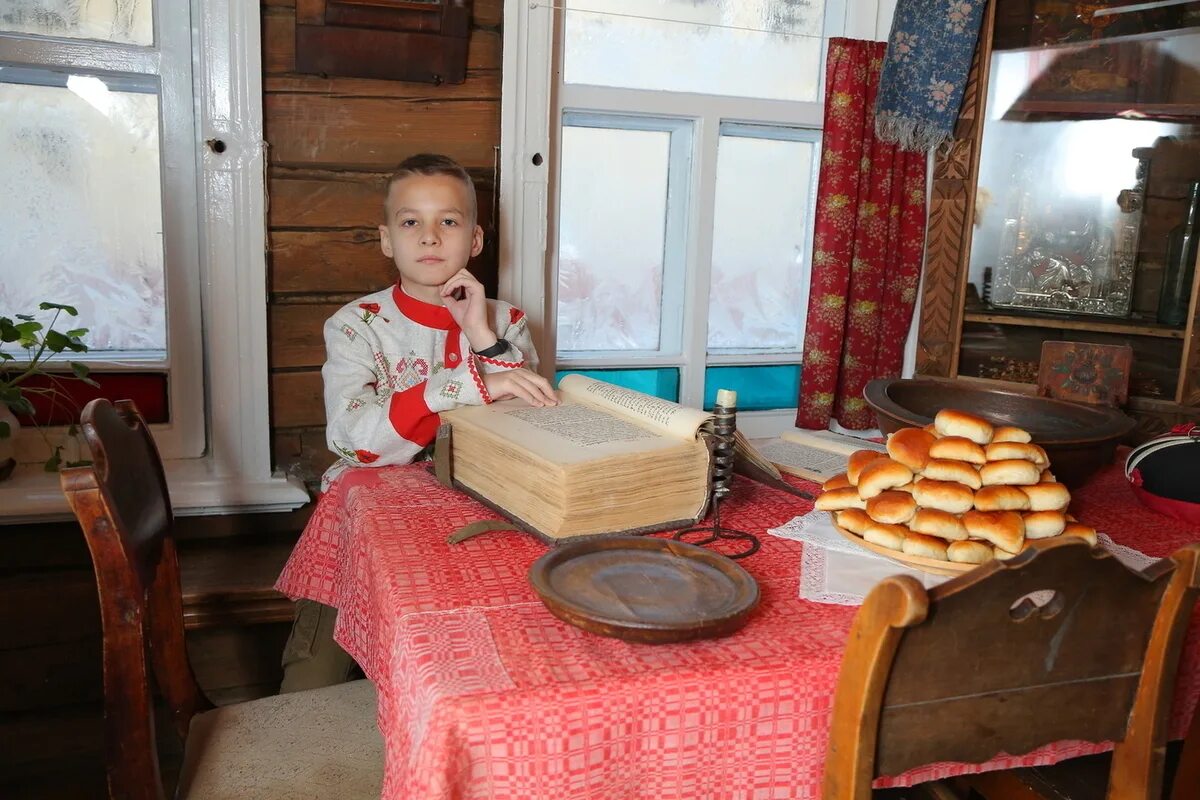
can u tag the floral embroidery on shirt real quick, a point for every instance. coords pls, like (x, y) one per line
(452, 390)
(361, 456)
(410, 371)
(370, 312)
(354, 405)
(515, 315)
(349, 332)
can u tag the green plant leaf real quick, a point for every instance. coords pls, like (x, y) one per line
(84, 463)
(58, 307)
(21, 405)
(25, 317)
(75, 333)
(81, 372)
(56, 342)
(5, 356)
(8, 331)
(5, 430)
(54, 461)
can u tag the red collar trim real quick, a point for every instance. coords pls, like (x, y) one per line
(423, 313)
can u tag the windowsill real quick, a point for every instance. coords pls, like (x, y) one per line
(34, 495)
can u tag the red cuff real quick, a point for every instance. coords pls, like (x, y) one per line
(479, 384)
(495, 362)
(411, 417)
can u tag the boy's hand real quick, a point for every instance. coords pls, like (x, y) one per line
(522, 384)
(464, 297)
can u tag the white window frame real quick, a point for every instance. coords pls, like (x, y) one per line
(533, 97)
(167, 63)
(230, 321)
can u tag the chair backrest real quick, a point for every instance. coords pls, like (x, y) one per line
(122, 504)
(1061, 642)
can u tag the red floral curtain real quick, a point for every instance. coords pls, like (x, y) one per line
(867, 247)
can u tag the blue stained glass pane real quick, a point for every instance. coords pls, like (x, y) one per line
(759, 388)
(661, 382)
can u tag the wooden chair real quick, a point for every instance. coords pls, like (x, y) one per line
(976, 666)
(321, 743)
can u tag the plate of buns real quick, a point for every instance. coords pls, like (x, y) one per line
(951, 495)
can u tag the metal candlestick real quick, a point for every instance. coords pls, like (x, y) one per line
(724, 428)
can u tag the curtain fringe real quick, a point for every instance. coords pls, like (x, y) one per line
(909, 134)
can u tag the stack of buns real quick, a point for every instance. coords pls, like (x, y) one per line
(961, 490)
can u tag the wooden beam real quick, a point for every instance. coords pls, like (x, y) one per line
(296, 333)
(375, 133)
(296, 399)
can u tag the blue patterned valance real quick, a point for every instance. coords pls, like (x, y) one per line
(925, 71)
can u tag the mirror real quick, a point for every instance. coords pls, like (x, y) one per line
(1090, 142)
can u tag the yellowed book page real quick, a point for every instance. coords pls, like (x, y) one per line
(663, 416)
(569, 433)
(800, 459)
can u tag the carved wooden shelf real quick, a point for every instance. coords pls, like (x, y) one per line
(1106, 108)
(1076, 324)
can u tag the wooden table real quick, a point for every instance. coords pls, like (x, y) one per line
(484, 694)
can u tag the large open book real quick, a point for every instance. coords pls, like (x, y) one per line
(607, 459)
(816, 455)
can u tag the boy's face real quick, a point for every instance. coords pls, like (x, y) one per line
(430, 232)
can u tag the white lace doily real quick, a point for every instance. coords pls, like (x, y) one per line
(833, 570)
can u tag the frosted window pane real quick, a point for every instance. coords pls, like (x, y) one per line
(746, 48)
(81, 214)
(612, 222)
(125, 21)
(759, 240)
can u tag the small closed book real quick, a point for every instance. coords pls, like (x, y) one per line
(606, 460)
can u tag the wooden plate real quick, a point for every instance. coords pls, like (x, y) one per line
(644, 589)
(917, 562)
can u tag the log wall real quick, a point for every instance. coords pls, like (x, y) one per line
(332, 143)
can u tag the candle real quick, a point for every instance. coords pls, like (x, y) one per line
(727, 398)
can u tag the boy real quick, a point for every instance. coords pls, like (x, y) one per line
(397, 357)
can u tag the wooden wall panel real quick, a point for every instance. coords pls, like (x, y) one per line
(333, 141)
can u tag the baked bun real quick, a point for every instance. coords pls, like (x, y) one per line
(893, 508)
(918, 544)
(1085, 532)
(1002, 451)
(840, 500)
(948, 496)
(931, 429)
(1010, 433)
(1048, 477)
(854, 520)
(1005, 529)
(1047, 496)
(840, 481)
(958, 448)
(889, 536)
(1002, 555)
(859, 459)
(959, 423)
(910, 446)
(1044, 524)
(941, 524)
(880, 475)
(958, 471)
(1010, 472)
(1001, 498)
(969, 552)
(906, 488)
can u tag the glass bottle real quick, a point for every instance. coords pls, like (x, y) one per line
(1181, 265)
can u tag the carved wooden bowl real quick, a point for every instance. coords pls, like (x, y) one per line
(1080, 439)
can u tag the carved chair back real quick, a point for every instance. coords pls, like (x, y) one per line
(1061, 642)
(122, 504)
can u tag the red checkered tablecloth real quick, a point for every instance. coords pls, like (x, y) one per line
(484, 694)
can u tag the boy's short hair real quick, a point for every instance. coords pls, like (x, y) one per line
(429, 164)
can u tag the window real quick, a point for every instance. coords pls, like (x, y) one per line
(97, 124)
(661, 162)
(113, 196)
